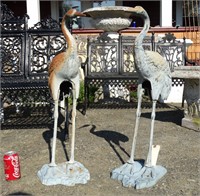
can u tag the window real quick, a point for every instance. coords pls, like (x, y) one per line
(64, 6)
(191, 13)
(152, 8)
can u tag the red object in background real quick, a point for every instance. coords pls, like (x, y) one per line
(11, 166)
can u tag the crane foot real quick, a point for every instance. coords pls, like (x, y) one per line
(150, 176)
(127, 171)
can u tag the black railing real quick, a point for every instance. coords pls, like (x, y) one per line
(110, 73)
(25, 56)
(109, 68)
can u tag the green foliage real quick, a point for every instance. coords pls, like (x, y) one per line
(133, 94)
(81, 98)
(81, 92)
(92, 91)
(133, 91)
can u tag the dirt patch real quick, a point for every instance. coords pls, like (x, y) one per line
(104, 148)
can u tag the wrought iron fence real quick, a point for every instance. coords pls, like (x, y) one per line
(26, 53)
(25, 56)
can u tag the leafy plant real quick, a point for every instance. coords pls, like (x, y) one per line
(92, 91)
(81, 92)
(133, 91)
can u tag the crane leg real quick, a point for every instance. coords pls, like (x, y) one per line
(129, 172)
(67, 173)
(151, 174)
(54, 132)
(138, 114)
(66, 119)
(149, 156)
(73, 122)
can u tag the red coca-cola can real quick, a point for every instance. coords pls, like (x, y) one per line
(11, 166)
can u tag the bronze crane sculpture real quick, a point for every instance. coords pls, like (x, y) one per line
(64, 67)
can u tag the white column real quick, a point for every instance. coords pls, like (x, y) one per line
(33, 10)
(166, 13)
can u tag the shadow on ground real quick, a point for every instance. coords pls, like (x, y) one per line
(174, 116)
(113, 138)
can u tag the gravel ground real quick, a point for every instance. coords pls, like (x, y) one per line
(105, 148)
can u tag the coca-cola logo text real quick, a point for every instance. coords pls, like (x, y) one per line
(15, 163)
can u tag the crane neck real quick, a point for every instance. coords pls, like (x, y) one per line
(142, 34)
(71, 42)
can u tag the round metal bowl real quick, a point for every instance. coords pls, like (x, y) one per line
(110, 18)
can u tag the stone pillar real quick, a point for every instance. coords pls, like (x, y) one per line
(33, 10)
(166, 13)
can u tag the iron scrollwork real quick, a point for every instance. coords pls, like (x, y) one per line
(103, 55)
(45, 41)
(127, 57)
(103, 58)
(172, 50)
(12, 55)
(46, 24)
(42, 49)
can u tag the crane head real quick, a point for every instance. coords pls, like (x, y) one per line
(137, 11)
(74, 13)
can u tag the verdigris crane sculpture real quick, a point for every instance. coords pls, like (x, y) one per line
(151, 67)
(64, 67)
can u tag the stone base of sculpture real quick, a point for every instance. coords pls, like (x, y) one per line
(137, 175)
(191, 123)
(66, 173)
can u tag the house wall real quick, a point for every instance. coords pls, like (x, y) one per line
(51, 8)
(30, 7)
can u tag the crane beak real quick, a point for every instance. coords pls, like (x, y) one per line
(80, 14)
